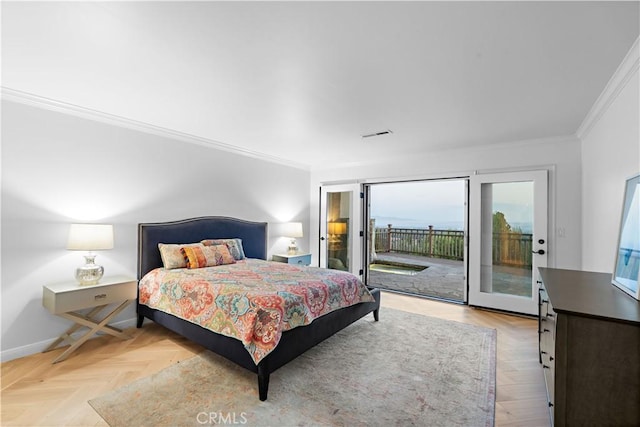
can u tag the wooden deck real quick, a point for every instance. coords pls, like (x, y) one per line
(443, 278)
(440, 278)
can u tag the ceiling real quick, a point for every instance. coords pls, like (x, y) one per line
(302, 81)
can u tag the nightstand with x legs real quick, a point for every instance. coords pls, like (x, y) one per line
(66, 299)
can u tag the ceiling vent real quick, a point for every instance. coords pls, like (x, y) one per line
(382, 132)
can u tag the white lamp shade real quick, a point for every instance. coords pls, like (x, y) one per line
(337, 228)
(90, 237)
(291, 229)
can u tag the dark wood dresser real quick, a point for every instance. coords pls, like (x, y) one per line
(589, 337)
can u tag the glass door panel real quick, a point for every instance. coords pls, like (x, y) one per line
(508, 239)
(338, 242)
(340, 228)
(506, 230)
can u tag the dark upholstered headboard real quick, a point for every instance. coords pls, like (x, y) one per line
(253, 235)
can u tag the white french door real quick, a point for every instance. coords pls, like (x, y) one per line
(507, 239)
(340, 227)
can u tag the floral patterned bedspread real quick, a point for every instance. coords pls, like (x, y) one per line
(252, 300)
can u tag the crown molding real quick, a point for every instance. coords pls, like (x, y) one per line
(99, 116)
(401, 157)
(623, 74)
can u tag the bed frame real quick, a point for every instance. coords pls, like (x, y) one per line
(254, 241)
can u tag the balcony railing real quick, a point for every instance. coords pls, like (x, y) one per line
(508, 248)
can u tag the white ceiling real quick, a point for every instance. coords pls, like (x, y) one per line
(302, 81)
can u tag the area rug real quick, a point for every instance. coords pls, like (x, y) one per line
(404, 370)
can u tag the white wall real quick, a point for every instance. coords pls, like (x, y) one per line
(587, 176)
(610, 155)
(560, 155)
(58, 169)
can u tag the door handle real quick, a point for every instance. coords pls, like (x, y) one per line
(539, 252)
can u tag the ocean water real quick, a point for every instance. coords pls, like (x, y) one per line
(418, 223)
(525, 227)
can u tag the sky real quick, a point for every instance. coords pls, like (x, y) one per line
(418, 203)
(441, 203)
(515, 200)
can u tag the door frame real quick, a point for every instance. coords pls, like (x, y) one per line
(507, 302)
(355, 227)
(366, 186)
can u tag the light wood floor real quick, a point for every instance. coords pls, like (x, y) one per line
(37, 393)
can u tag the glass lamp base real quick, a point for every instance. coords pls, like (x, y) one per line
(90, 273)
(293, 248)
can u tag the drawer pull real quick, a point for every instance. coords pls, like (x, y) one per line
(550, 404)
(550, 315)
(545, 301)
(550, 358)
(100, 296)
(545, 367)
(546, 330)
(543, 352)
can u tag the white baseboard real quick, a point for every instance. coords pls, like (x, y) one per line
(38, 347)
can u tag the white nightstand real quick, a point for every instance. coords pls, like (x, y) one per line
(297, 259)
(64, 299)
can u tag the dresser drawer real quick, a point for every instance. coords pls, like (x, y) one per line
(548, 331)
(61, 301)
(549, 370)
(302, 259)
(546, 324)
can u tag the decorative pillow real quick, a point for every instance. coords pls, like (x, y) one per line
(172, 256)
(234, 246)
(206, 256)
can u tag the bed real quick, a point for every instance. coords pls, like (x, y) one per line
(253, 235)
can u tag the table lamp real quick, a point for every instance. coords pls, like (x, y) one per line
(292, 230)
(90, 237)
